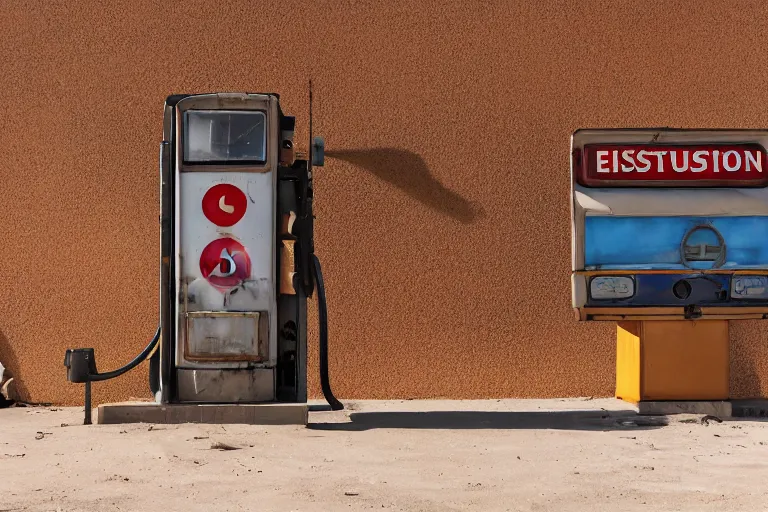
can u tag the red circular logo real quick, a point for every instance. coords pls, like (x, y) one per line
(224, 204)
(225, 263)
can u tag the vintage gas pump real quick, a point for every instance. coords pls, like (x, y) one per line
(237, 257)
(670, 240)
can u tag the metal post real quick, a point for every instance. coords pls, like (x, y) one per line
(87, 403)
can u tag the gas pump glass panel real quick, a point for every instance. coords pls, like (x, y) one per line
(669, 223)
(219, 136)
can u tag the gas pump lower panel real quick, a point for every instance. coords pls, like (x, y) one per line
(247, 385)
(225, 336)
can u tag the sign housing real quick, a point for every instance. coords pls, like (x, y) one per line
(669, 223)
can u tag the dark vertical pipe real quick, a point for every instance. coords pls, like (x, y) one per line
(87, 420)
(323, 320)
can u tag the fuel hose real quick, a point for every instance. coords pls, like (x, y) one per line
(323, 321)
(130, 366)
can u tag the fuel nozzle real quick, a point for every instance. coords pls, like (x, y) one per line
(81, 365)
(81, 368)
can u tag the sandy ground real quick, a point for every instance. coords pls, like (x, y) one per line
(428, 456)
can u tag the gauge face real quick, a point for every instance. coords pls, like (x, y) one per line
(749, 287)
(611, 287)
(221, 136)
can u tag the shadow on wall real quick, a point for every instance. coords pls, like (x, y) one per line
(409, 172)
(11, 364)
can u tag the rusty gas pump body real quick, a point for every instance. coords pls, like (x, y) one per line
(237, 262)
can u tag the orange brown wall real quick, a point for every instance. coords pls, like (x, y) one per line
(442, 211)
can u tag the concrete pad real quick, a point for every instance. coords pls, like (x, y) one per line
(248, 414)
(721, 409)
(562, 455)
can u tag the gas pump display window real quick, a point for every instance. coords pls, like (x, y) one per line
(219, 136)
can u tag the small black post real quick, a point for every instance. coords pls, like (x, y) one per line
(87, 403)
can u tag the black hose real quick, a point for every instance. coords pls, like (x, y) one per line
(323, 320)
(130, 366)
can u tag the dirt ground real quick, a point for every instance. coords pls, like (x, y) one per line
(527, 455)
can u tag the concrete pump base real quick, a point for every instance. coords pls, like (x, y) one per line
(250, 414)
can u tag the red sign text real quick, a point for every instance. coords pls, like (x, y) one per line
(674, 165)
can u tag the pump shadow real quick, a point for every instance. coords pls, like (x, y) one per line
(409, 172)
(477, 420)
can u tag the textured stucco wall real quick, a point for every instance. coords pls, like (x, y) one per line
(443, 207)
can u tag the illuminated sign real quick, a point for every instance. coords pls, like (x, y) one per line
(672, 165)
